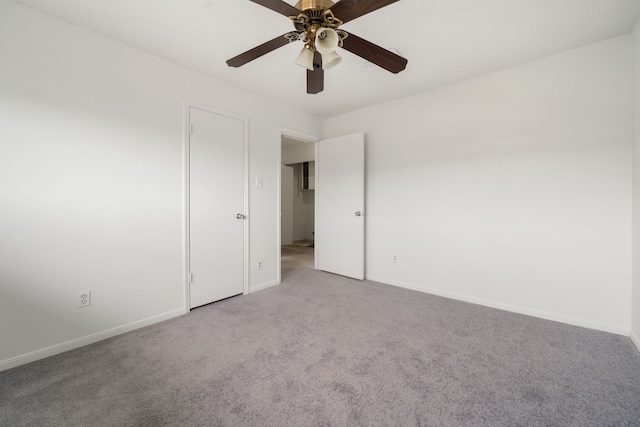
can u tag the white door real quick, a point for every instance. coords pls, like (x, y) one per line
(340, 206)
(216, 206)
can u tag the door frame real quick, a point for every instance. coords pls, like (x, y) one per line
(187, 105)
(283, 131)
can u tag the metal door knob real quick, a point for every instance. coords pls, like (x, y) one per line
(358, 213)
(240, 216)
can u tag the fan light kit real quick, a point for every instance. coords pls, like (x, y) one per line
(316, 24)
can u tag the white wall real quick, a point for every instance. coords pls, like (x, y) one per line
(91, 182)
(286, 205)
(635, 308)
(298, 152)
(303, 206)
(510, 190)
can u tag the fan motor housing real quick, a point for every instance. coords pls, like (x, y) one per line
(313, 4)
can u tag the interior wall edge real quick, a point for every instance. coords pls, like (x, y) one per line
(86, 340)
(555, 317)
(635, 340)
(635, 224)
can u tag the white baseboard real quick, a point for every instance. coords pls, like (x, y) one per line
(635, 339)
(263, 286)
(89, 339)
(509, 307)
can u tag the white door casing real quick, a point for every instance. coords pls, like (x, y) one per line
(216, 223)
(340, 190)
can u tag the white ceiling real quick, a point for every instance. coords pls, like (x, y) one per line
(444, 40)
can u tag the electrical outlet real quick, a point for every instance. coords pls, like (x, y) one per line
(394, 259)
(84, 299)
(260, 265)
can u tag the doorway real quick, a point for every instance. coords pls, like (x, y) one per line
(297, 204)
(339, 218)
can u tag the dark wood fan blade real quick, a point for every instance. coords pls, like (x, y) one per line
(279, 6)
(374, 53)
(257, 51)
(346, 10)
(315, 78)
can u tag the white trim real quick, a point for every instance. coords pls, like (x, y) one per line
(185, 174)
(302, 137)
(187, 105)
(635, 339)
(316, 253)
(89, 339)
(605, 327)
(263, 286)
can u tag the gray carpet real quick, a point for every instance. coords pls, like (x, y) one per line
(323, 350)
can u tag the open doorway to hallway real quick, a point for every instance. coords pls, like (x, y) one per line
(297, 227)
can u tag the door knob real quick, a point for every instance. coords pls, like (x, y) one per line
(358, 213)
(240, 216)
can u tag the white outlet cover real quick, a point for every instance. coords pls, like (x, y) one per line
(84, 299)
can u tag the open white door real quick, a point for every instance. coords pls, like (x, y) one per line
(340, 206)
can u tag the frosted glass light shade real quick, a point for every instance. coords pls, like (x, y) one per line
(327, 40)
(330, 60)
(305, 59)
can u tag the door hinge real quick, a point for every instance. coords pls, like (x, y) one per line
(191, 128)
(190, 277)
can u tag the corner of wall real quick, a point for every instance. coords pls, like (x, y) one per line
(635, 290)
(635, 340)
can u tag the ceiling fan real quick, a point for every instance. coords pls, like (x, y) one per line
(316, 24)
